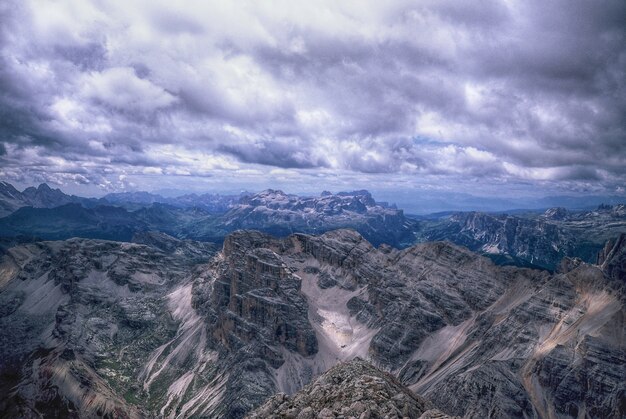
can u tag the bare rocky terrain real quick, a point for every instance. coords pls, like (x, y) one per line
(171, 328)
(525, 238)
(532, 240)
(352, 389)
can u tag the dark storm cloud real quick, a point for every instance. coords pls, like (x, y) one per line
(527, 91)
(579, 173)
(566, 61)
(286, 154)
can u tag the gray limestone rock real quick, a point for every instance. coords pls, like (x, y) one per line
(173, 329)
(353, 389)
(529, 239)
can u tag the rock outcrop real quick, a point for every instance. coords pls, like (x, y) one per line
(256, 316)
(612, 259)
(354, 389)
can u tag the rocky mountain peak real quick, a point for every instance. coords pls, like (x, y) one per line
(270, 198)
(10, 199)
(618, 210)
(353, 389)
(262, 296)
(6, 186)
(557, 213)
(281, 214)
(605, 207)
(45, 197)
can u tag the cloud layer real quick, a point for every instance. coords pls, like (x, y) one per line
(405, 92)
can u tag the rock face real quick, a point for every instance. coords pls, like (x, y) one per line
(536, 242)
(353, 389)
(256, 316)
(10, 199)
(475, 338)
(157, 329)
(557, 213)
(532, 240)
(612, 259)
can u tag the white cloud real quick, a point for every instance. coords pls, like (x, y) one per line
(520, 91)
(120, 88)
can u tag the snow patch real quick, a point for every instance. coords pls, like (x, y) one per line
(491, 249)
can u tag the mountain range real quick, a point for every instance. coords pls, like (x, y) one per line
(45, 197)
(161, 327)
(522, 238)
(196, 217)
(277, 305)
(539, 240)
(41, 197)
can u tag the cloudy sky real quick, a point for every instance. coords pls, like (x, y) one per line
(501, 98)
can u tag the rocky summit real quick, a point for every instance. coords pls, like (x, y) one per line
(171, 328)
(353, 389)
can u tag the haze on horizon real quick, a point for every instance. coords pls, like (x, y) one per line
(509, 99)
